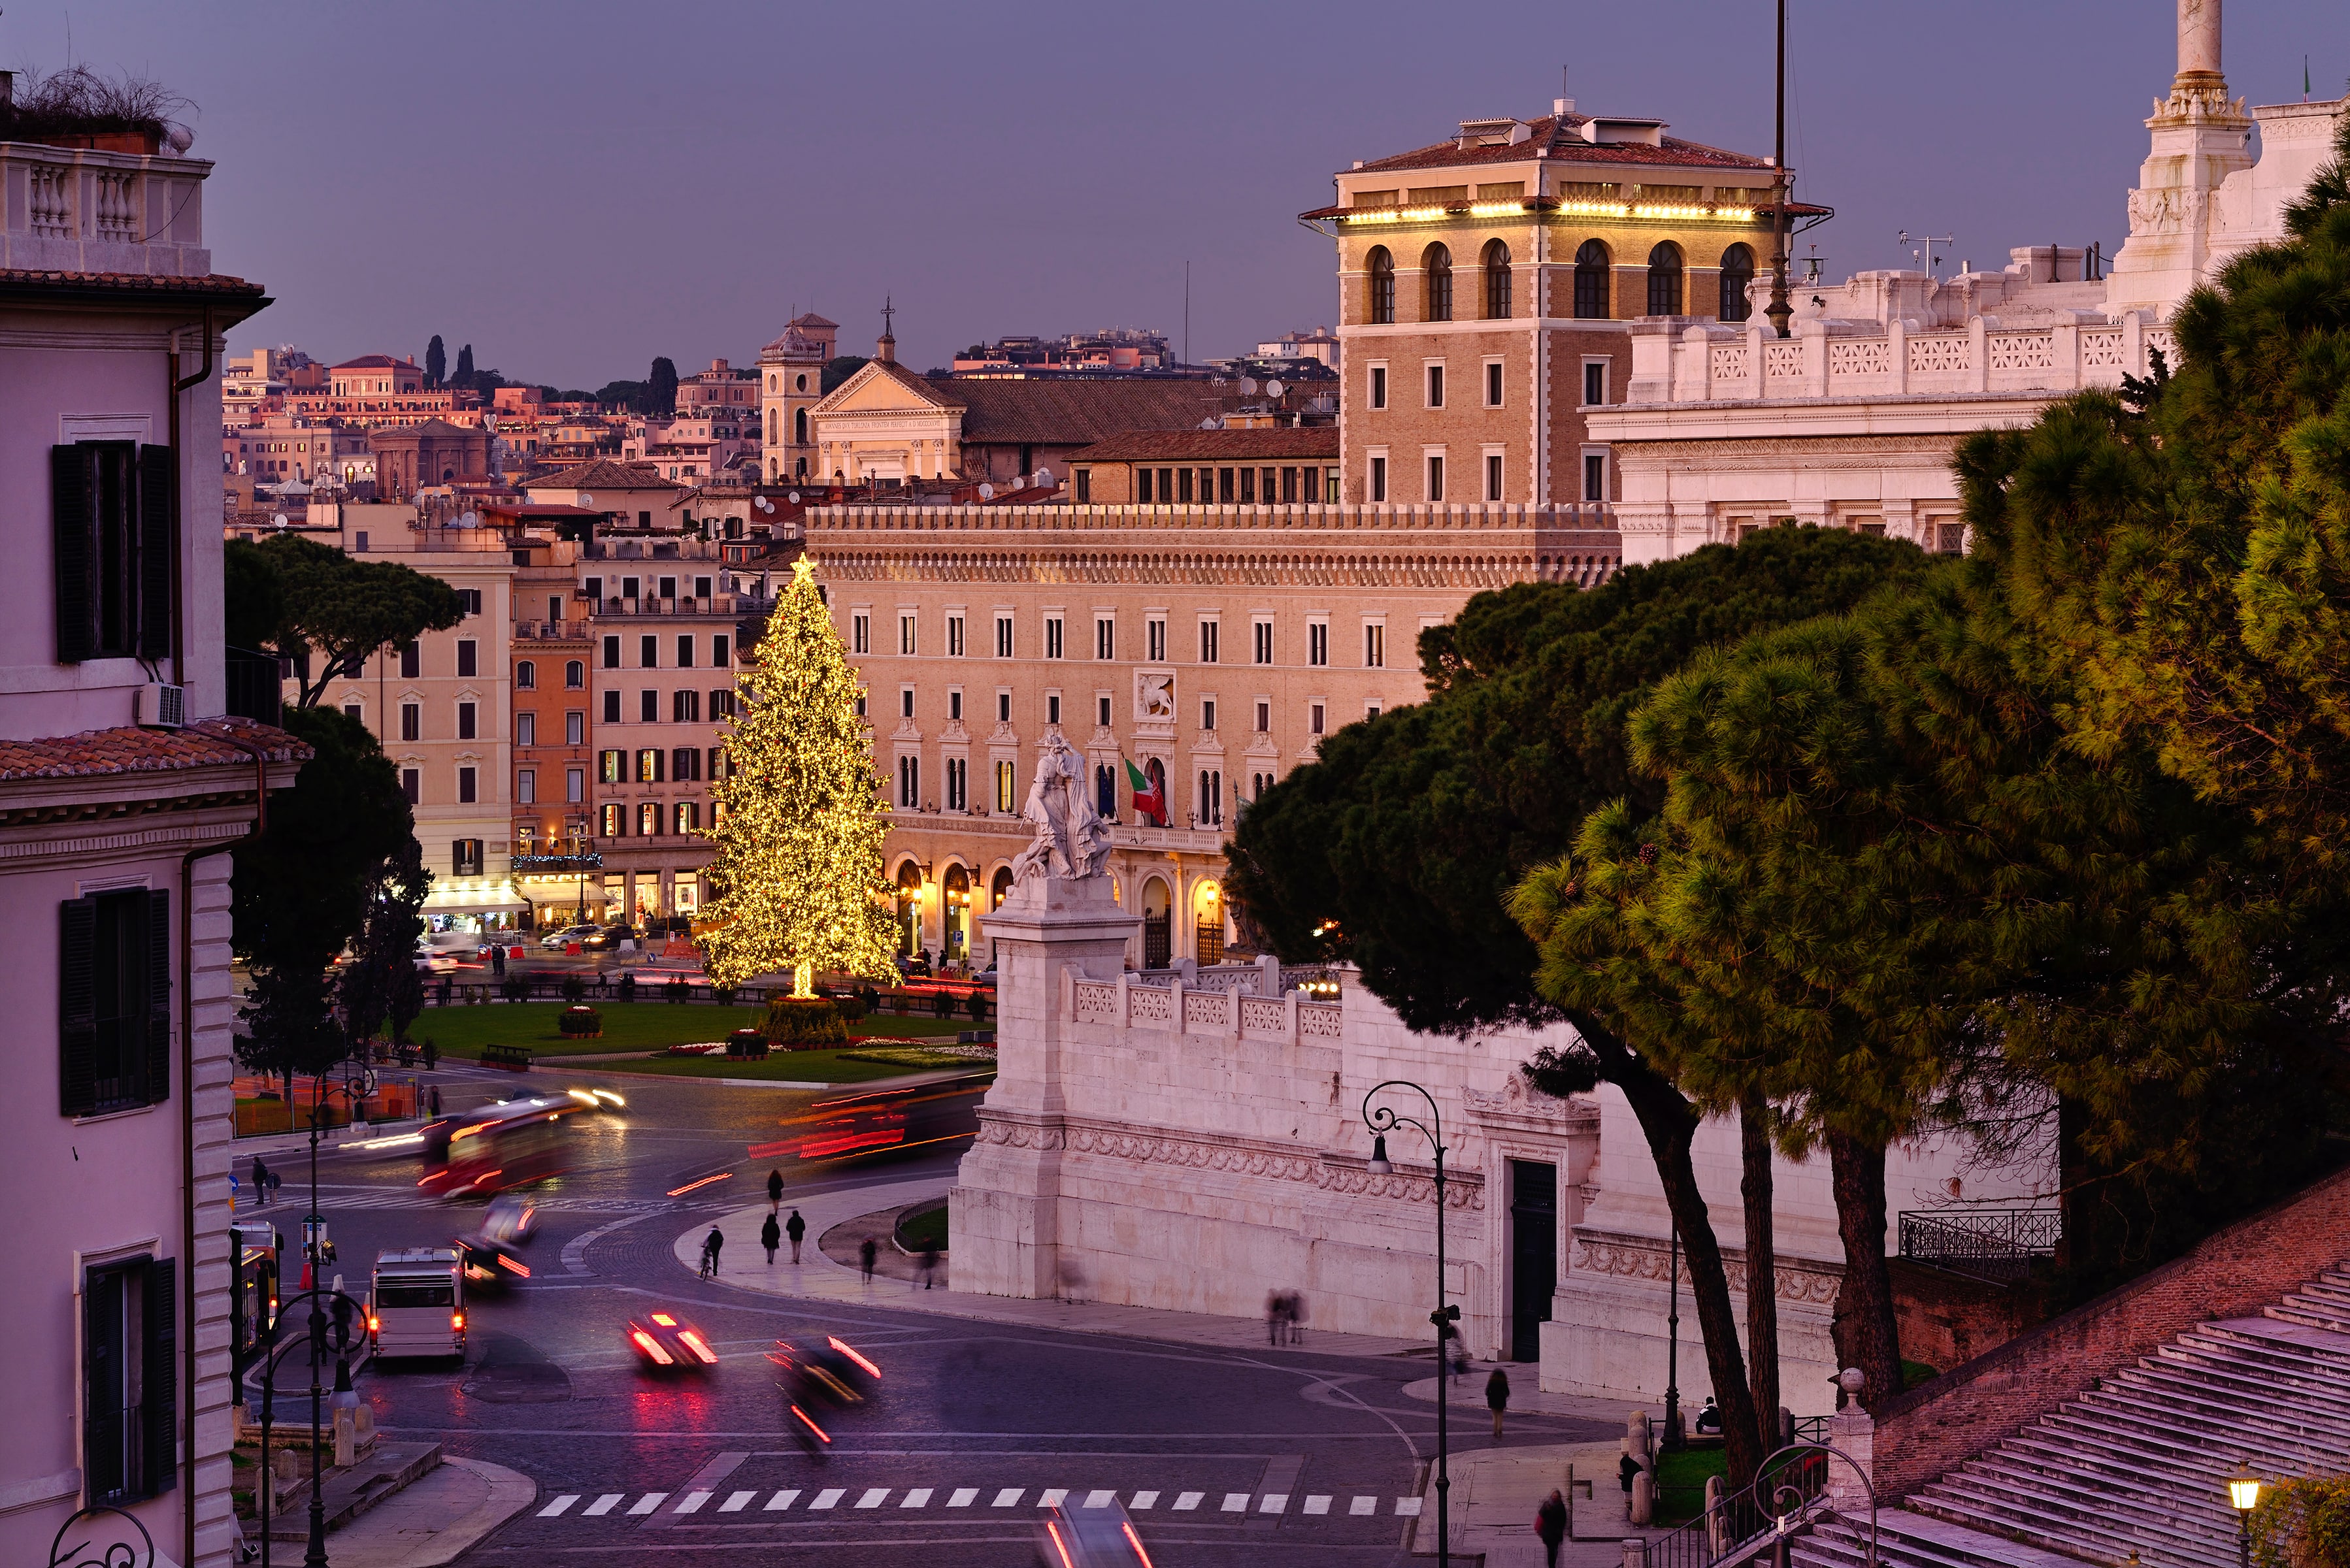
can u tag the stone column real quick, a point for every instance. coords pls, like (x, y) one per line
(1006, 1211)
(2199, 37)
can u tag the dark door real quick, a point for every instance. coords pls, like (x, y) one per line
(1533, 1253)
(1158, 940)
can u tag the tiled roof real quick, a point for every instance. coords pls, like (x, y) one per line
(1209, 446)
(810, 318)
(602, 473)
(1565, 147)
(1063, 413)
(130, 283)
(374, 362)
(134, 750)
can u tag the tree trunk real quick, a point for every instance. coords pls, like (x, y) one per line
(1762, 1264)
(1866, 1336)
(1670, 1122)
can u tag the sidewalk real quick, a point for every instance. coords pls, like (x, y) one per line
(819, 1278)
(433, 1520)
(1496, 1492)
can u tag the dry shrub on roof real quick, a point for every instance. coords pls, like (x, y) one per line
(79, 100)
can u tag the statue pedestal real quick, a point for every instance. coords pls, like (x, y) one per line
(1004, 1215)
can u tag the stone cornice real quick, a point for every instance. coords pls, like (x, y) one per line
(1647, 1258)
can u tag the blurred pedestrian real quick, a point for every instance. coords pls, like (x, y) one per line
(771, 1236)
(260, 1183)
(432, 1055)
(1272, 1317)
(1550, 1526)
(796, 1228)
(1497, 1396)
(1298, 1317)
(710, 1248)
(867, 1251)
(436, 1099)
(774, 1191)
(930, 1263)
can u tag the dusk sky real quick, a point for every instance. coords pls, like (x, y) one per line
(575, 189)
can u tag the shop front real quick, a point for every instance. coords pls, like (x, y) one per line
(460, 910)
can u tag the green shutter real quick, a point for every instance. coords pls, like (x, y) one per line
(158, 565)
(159, 996)
(73, 516)
(78, 1007)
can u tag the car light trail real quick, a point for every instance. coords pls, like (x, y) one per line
(682, 1191)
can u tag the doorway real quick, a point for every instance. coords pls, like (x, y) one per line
(1533, 1253)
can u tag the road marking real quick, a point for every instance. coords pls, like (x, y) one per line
(829, 1497)
(1364, 1505)
(1100, 1499)
(874, 1497)
(1143, 1500)
(1317, 1505)
(736, 1503)
(650, 1502)
(602, 1505)
(558, 1505)
(1406, 1507)
(1188, 1501)
(918, 1498)
(1052, 1496)
(691, 1502)
(1275, 1502)
(962, 1496)
(780, 1501)
(1236, 1503)
(1008, 1497)
(698, 1490)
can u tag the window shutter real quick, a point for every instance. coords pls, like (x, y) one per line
(78, 1007)
(157, 567)
(73, 505)
(159, 996)
(159, 1379)
(95, 1344)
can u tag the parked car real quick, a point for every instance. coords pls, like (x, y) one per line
(557, 941)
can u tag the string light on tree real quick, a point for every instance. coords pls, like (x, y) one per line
(800, 818)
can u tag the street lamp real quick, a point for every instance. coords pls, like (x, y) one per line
(1380, 1119)
(2244, 1495)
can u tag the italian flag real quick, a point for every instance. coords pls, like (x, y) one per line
(1148, 797)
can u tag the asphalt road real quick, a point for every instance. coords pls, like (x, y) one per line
(973, 1427)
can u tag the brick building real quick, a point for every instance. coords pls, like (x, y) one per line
(1225, 467)
(793, 369)
(409, 458)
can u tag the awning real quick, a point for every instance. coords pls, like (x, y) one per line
(471, 895)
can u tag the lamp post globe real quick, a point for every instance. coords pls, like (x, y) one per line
(2244, 1496)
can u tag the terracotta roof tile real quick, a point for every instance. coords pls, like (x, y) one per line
(602, 473)
(1061, 413)
(95, 752)
(1209, 446)
(129, 282)
(1564, 147)
(376, 362)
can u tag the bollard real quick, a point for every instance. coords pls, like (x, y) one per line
(1644, 1498)
(346, 1439)
(1635, 1553)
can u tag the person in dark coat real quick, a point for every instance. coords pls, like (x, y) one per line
(498, 961)
(771, 1236)
(1550, 1526)
(774, 1191)
(260, 1183)
(867, 1251)
(710, 1247)
(930, 1263)
(1497, 1396)
(796, 1228)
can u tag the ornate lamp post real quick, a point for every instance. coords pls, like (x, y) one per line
(2244, 1495)
(1380, 1119)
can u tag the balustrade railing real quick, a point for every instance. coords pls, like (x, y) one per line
(1993, 1244)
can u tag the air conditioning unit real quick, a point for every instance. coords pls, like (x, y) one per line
(160, 707)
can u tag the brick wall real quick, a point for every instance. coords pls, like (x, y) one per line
(2249, 1265)
(1946, 1321)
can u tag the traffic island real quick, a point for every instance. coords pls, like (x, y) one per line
(349, 1489)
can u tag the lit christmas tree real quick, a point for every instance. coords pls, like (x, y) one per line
(800, 821)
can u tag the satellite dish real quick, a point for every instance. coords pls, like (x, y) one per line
(585, 499)
(793, 498)
(1248, 386)
(987, 492)
(1274, 388)
(1044, 476)
(279, 520)
(469, 520)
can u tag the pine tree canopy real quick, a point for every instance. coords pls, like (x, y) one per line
(800, 820)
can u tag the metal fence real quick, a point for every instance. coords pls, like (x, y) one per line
(1996, 1245)
(1780, 1501)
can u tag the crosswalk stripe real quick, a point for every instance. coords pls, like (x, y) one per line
(650, 1502)
(1317, 1505)
(962, 1496)
(1275, 1502)
(918, 1498)
(780, 1501)
(1052, 1496)
(1008, 1497)
(1358, 1505)
(1236, 1503)
(1407, 1508)
(829, 1497)
(558, 1505)
(1364, 1505)
(1143, 1500)
(1188, 1501)
(691, 1502)
(737, 1502)
(1100, 1499)
(602, 1505)
(874, 1497)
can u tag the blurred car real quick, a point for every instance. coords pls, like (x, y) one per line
(662, 1339)
(511, 1219)
(599, 1099)
(431, 962)
(1089, 1538)
(557, 941)
(610, 937)
(489, 1264)
(820, 1380)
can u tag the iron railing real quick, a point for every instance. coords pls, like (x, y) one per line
(1779, 1501)
(1997, 1245)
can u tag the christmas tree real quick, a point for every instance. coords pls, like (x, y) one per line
(800, 821)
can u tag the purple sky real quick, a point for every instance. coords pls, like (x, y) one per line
(574, 189)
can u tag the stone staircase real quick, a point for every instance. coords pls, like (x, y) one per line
(2137, 1469)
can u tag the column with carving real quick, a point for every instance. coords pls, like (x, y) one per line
(2198, 138)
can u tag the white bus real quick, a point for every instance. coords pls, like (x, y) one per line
(417, 1303)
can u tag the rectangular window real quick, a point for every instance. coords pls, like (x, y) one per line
(1493, 383)
(686, 816)
(411, 720)
(593, 588)
(956, 775)
(906, 703)
(1183, 485)
(1207, 712)
(906, 634)
(110, 510)
(954, 705)
(1003, 707)
(1051, 707)
(114, 1001)
(648, 707)
(412, 662)
(701, 587)
(720, 651)
(129, 1380)
(1436, 385)
(574, 728)
(1105, 637)
(467, 716)
(860, 631)
(466, 857)
(1142, 485)
(466, 778)
(1435, 478)
(910, 783)
(1378, 386)
(611, 653)
(685, 707)
(1288, 487)
(722, 705)
(412, 784)
(685, 764)
(1594, 477)
(1379, 484)
(1264, 717)
(649, 765)
(955, 636)
(353, 709)
(1374, 646)
(668, 585)
(525, 729)
(1004, 786)
(1085, 485)
(649, 653)
(468, 657)
(628, 587)
(1166, 485)
(575, 786)
(1154, 639)
(1247, 486)
(1101, 706)
(649, 818)
(717, 768)
(612, 707)
(616, 819)
(1317, 642)
(1004, 637)
(1314, 718)
(612, 767)
(526, 786)
(1208, 631)
(684, 651)
(1492, 476)
(1224, 486)
(1595, 383)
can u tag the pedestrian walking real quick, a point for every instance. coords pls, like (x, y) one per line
(930, 1263)
(796, 1228)
(710, 1248)
(436, 1099)
(1550, 1526)
(260, 1183)
(1627, 1467)
(1497, 1396)
(774, 1191)
(1298, 1317)
(1272, 1317)
(867, 1251)
(771, 1236)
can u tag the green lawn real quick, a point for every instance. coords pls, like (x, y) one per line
(461, 1032)
(1681, 1477)
(924, 1226)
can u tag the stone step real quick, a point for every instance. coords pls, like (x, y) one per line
(2324, 1422)
(2115, 1470)
(2063, 1491)
(1907, 1539)
(382, 1471)
(2040, 1520)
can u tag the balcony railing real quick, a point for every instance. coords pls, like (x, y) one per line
(553, 630)
(1996, 1245)
(555, 862)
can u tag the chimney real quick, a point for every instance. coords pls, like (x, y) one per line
(1562, 107)
(886, 349)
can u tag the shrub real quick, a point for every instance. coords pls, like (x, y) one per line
(578, 1021)
(723, 995)
(677, 990)
(942, 1003)
(2304, 1524)
(803, 1024)
(977, 1007)
(745, 1045)
(851, 1007)
(514, 988)
(575, 987)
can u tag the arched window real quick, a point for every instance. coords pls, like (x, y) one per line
(1591, 263)
(525, 674)
(1737, 272)
(1382, 270)
(1436, 272)
(799, 427)
(1665, 279)
(999, 888)
(1496, 265)
(771, 427)
(575, 676)
(910, 909)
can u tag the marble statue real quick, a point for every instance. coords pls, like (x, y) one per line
(1072, 840)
